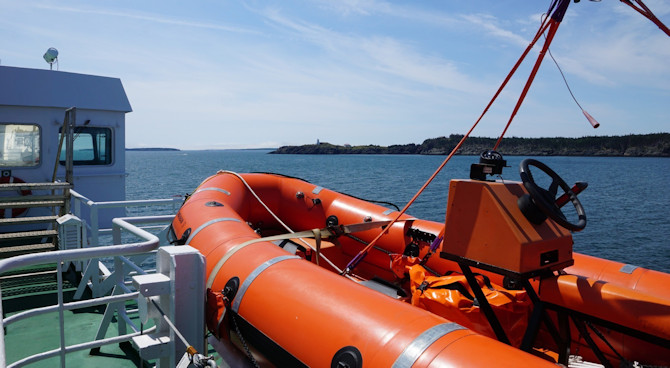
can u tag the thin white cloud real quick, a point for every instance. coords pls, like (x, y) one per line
(354, 7)
(660, 8)
(380, 53)
(487, 22)
(154, 18)
(616, 46)
(371, 8)
(479, 20)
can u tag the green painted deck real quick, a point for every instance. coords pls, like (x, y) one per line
(41, 333)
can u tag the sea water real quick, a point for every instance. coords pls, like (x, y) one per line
(626, 202)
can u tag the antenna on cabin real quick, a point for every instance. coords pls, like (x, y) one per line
(51, 56)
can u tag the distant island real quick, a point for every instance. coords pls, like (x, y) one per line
(152, 149)
(651, 145)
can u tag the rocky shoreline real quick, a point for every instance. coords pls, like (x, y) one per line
(643, 145)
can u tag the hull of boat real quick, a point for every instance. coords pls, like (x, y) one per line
(296, 312)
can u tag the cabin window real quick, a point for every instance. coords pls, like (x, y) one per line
(19, 145)
(92, 146)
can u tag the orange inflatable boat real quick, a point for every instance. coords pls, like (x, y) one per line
(299, 275)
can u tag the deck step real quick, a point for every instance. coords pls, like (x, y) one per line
(29, 204)
(37, 269)
(27, 220)
(12, 280)
(31, 280)
(6, 252)
(32, 198)
(34, 186)
(28, 234)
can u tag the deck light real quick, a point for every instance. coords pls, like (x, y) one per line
(51, 56)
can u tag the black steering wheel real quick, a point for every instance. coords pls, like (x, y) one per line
(545, 199)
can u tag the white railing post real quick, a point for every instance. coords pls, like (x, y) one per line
(121, 307)
(185, 267)
(95, 227)
(61, 316)
(77, 205)
(116, 234)
(3, 356)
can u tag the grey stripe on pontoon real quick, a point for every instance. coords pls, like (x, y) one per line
(212, 221)
(317, 190)
(414, 350)
(213, 188)
(628, 268)
(252, 276)
(387, 212)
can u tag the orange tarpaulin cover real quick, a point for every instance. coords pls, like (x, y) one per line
(451, 297)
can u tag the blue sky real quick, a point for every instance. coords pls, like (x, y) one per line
(232, 74)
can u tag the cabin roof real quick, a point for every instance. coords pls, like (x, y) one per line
(47, 88)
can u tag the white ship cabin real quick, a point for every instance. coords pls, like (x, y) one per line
(33, 103)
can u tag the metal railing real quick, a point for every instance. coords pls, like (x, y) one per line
(95, 207)
(100, 285)
(150, 243)
(97, 277)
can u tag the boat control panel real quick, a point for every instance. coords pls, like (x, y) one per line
(486, 226)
